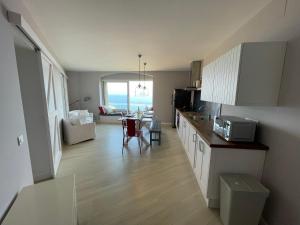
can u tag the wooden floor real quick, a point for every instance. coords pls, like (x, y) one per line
(155, 188)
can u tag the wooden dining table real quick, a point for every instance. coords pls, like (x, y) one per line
(143, 118)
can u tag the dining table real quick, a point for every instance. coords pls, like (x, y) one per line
(143, 118)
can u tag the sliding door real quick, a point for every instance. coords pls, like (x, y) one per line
(53, 90)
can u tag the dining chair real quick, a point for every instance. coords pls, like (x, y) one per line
(131, 128)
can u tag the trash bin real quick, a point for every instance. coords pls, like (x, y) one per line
(242, 199)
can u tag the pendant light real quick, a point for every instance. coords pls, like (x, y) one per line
(139, 88)
(145, 90)
(145, 76)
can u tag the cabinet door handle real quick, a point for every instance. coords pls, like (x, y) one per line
(195, 156)
(200, 146)
(194, 137)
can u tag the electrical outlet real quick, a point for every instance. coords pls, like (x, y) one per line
(20, 140)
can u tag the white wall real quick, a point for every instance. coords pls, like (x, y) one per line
(15, 167)
(280, 126)
(82, 84)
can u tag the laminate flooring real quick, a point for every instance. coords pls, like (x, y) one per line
(155, 188)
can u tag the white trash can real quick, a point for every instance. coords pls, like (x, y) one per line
(242, 199)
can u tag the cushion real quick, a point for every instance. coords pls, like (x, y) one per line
(79, 117)
(109, 109)
(102, 110)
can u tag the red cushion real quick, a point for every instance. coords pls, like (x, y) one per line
(102, 110)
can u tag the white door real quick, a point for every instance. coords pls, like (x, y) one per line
(198, 157)
(65, 84)
(192, 145)
(180, 127)
(205, 167)
(59, 93)
(51, 82)
(183, 129)
(186, 136)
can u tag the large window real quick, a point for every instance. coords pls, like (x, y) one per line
(125, 95)
(140, 99)
(117, 94)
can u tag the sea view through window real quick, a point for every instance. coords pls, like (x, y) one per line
(119, 94)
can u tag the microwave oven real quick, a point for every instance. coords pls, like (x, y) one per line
(233, 128)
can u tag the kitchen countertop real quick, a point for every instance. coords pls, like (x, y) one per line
(205, 129)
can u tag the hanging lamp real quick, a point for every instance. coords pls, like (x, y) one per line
(139, 87)
(145, 76)
(145, 89)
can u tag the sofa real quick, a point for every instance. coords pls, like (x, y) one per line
(79, 127)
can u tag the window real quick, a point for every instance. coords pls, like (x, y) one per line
(123, 95)
(117, 95)
(140, 99)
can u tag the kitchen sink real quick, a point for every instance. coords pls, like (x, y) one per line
(198, 117)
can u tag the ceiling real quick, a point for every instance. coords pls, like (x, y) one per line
(107, 35)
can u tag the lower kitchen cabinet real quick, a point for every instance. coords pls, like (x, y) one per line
(183, 132)
(205, 158)
(186, 134)
(191, 144)
(208, 163)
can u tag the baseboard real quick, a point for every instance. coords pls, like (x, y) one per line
(108, 122)
(8, 208)
(212, 203)
(42, 177)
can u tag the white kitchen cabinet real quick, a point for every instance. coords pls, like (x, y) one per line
(202, 161)
(205, 165)
(208, 163)
(228, 160)
(192, 137)
(186, 135)
(179, 128)
(198, 160)
(184, 132)
(232, 78)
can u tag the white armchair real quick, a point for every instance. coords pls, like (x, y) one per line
(79, 127)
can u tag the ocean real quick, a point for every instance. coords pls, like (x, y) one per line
(120, 102)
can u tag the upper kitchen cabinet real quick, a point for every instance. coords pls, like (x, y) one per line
(248, 74)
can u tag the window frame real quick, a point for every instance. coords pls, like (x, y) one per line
(105, 94)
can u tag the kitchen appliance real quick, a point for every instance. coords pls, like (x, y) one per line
(233, 128)
(188, 100)
(181, 99)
